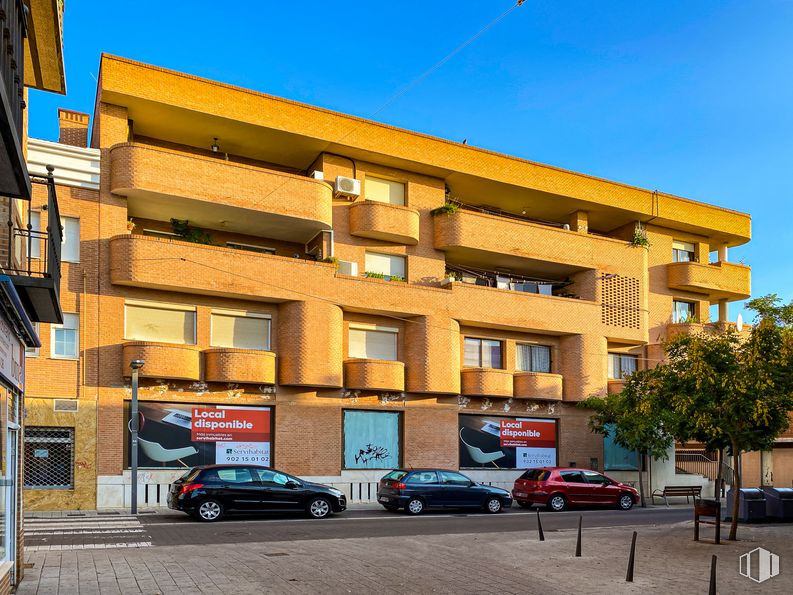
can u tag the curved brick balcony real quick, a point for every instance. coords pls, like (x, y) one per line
(537, 385)
(386, 222)
(718, 280)
(162, 182)
(615, 386)
(374, 374)
(224, 364)
(485, 382)
(163, 360)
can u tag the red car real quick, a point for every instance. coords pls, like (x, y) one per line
(558, 487)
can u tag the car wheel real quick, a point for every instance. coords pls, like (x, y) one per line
(209, 511)
(625, 502)
(415, 506)
(524, 504)
(493, 505)
(557, 503)
(319, 508)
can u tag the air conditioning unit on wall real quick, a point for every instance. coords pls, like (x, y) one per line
(349, 187)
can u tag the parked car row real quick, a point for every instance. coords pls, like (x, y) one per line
(209, 492)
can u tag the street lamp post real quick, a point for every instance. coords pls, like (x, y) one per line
(136, 365)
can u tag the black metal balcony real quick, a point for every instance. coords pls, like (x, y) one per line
(14, 180)
(33, 259)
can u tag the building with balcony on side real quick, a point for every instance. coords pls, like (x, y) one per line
(344, 296)
(32, 57)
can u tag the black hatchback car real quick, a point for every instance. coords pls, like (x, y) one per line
(415, 490)
(208, 492)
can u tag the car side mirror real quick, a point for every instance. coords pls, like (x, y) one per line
(472, 484)
(292, 484)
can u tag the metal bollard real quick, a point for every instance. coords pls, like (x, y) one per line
(631, 558)
(712, 590)
(578, 542)
(539, 526)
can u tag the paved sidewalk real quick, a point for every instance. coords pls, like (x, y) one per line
(667, 561)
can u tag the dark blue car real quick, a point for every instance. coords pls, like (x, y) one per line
(416, 490)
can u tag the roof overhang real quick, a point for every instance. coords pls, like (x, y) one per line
(44, 67)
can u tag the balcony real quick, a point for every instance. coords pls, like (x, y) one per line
(163, 360)
(239, 366)
(210, 191)
(615, 386)
(537, 385)
(33, 259)
(485, 382)
(374, 374)
(173, 265)
(14, 180)
(718, 280)
(483, 239)
(385, 222)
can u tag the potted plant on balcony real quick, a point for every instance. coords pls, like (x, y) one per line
(130, 224)
(188, 233)
(451, 277)
(449, 208)
(639, 237)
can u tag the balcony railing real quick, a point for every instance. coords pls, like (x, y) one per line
(483, 277)
(33, 258)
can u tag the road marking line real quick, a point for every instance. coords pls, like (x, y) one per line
(86, 546)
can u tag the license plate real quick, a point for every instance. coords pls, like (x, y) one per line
(521, 494)
(384, 499)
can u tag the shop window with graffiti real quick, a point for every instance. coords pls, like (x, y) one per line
(371, 439)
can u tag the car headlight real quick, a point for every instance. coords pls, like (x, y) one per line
(336, 492)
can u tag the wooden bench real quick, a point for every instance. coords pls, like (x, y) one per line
(709, 509)
(687, 491)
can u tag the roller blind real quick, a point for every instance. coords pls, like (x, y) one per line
(372, 344)
(243, 331)
(688, 247)
(386, 264)
(70, 250)
(385, 191)
(160, 322)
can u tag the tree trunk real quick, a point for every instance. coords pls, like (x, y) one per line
(719, 474)
(641, 479)
(736, 461)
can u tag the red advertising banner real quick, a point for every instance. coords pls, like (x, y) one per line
(210, 424)
(527, 434)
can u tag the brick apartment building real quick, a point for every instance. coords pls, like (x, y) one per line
(301, 273)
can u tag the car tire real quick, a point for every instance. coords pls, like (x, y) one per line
(493, 505)
(557, 503)
(524, 504)
(625, 502)
(209, 511)
(415, 506)
(319, 508)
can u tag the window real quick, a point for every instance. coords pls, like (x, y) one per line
(243, 330)
(536, 475)
(390, 265)
(154, 321)
(65, 338)
(372, 342)
(385, 191)
(271, 476)
(482, 353)
(422, 477)
(615, 457)
(70, 251)
(35, 240)
(34, 351)
(572, 476)
(235, 475)
(49, 458)
(371, 440)
(596, 478)
(250, 248)
(456, 479)
(684, 311)
(683, 252)
(533, 358)
(622, 365)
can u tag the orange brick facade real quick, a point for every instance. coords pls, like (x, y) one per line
(258, 189)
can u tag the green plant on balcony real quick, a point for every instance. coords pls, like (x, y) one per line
(689, 319)
(130, 224)
(331, 260)
(182, 228)
(640, 237)
(449, 208)
(396, 278)
(373, 275)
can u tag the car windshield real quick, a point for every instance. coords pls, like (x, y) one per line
(396, 475)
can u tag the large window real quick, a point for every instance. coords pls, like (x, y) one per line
(65, 338)
(385, 191)
(371, 440)
(617, 458)
(533, 358)
(49, 458)
(243, 330)
(372, 342)
(154, 321)
(482, 353)
(622, 365)
(684, 311)
(70, 251)
(683, 252)
(389, 265)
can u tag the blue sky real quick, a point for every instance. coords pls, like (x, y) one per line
(689, 97)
